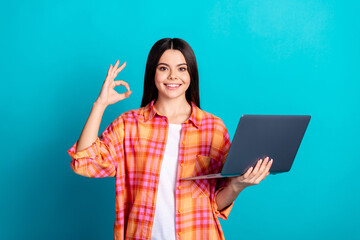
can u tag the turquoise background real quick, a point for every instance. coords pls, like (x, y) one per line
(254, 57)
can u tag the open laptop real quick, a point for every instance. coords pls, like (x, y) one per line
(257, 136)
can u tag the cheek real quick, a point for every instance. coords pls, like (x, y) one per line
(159, 79)
(159, 76)
(186, 78)
(157, 84)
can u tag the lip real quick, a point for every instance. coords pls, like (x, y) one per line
(172, 88)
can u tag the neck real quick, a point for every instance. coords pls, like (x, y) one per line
(172, 107)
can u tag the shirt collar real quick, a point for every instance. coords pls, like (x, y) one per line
(149, 112)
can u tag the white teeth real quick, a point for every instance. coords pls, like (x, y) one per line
(172, 85)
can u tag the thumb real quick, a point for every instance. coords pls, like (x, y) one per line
(122, 96)
(127, 94)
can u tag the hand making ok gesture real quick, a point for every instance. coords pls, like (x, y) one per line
(107, 94)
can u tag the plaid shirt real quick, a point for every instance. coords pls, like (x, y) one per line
(131, 149)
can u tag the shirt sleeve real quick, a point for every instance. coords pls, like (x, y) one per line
(102, 157)
(221, 182)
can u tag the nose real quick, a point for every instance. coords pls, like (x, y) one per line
(172, 75)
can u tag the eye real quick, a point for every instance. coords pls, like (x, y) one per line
(182, 69)
(162, 68)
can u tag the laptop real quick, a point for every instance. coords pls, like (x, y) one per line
(258, 136)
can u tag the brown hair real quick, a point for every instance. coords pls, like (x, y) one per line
(150, 91)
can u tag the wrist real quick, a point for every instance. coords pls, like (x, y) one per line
(97, 104)
(236, 188)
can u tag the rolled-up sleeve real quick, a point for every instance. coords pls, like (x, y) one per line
(221, 182)
(224, 213)
(102, 157)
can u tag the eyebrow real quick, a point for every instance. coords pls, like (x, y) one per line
(169, 65)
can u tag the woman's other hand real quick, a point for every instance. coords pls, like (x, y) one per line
(107, 94)
(252, 176)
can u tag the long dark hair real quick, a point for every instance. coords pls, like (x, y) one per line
(150, 91)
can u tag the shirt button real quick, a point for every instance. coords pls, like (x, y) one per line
(179, 210)
(179, 187)
(179, 233)
(182, 164)
(184, 142)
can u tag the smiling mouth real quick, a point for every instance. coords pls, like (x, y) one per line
(172, 86)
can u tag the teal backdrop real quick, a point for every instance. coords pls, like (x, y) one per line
(254, 57)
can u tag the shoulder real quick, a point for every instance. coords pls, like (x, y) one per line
(130, 116)
(220, 136)
(216, 121)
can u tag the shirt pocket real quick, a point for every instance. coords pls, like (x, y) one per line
(202, 166)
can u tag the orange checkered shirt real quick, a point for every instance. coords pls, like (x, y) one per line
(131, 149)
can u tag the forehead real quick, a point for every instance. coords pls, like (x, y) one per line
(172, 56)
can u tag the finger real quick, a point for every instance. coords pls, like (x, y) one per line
(121, 82)
(245, 175)
(109, 73)
(263, 165)
(109, 70)
(257, 166)
(115, 66)
(261, 177)
(120, 68)
(248, 172)
(265, 172)
(254, 173)
(124, 95)
(268, 165)
(127, 94)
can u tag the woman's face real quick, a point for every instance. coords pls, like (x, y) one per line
(172, 78)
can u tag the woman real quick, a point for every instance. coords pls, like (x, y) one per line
(149, 149)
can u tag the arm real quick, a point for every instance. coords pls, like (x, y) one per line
(94, 156)
(235, 185)
(106, 97)
(226, 196)
(91, 128)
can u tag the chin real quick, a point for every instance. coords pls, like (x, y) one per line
(173, 96)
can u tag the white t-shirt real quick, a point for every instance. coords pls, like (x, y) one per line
(164, 220)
